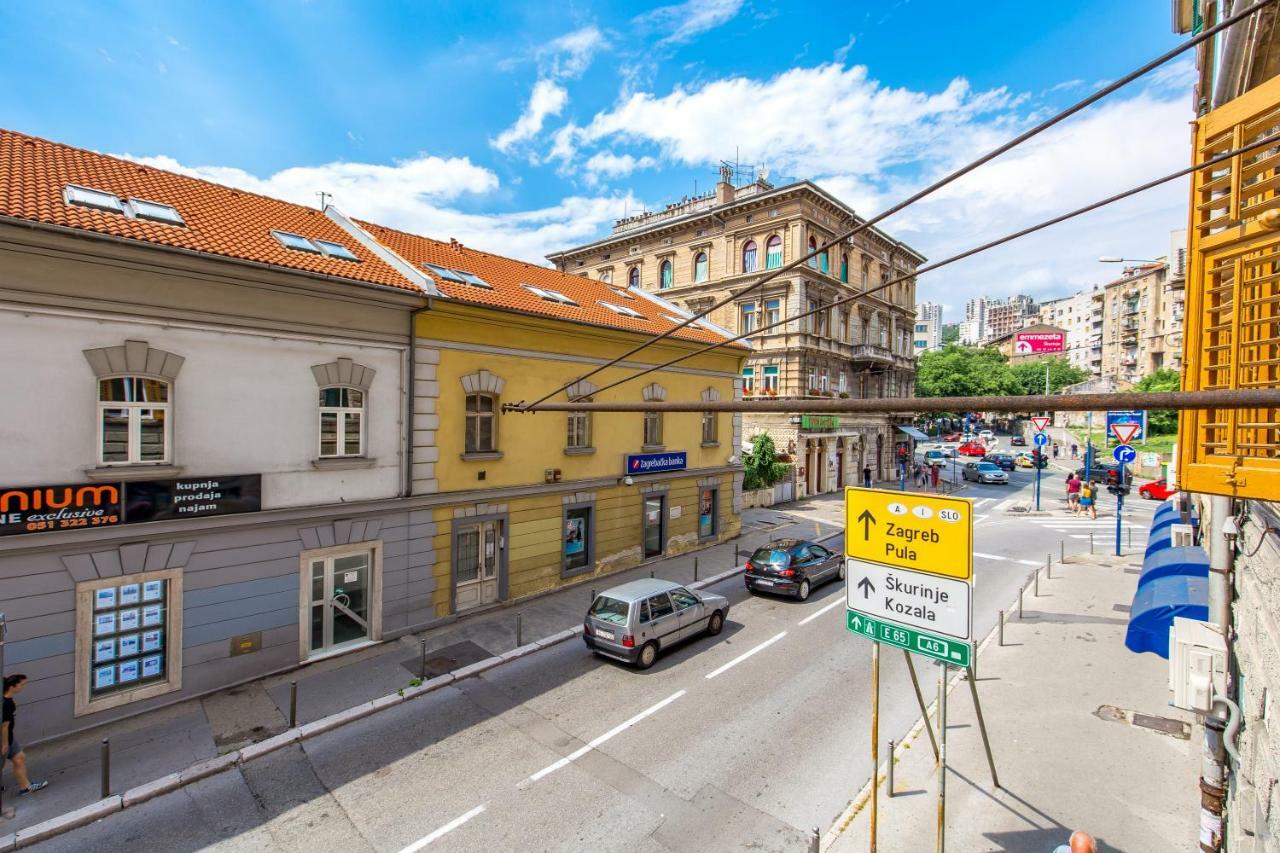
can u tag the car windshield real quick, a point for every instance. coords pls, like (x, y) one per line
(770, 557)
(987, 466)
(608, 609)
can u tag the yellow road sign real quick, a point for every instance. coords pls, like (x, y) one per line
(924, 533)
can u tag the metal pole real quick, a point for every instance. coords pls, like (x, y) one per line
(982, 727)
(1119, 510)
(1001, 627)
(4, 629)
(737, 557)
(651, 574)
(1021, 590)
(695, 569)
(293, 704)
(1036, 592)
(815, 840)
(924, 712)
(519, 629)
(106, 767)
(942, 758)
(1062, 550)
(875, 740)
(1091, 542)
(973, 658)
(1036, 461)
(889, 783)
(1129, 531)
(422, 656)
(1048, 566)
(593, 594)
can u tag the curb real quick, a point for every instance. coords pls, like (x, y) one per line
(139, 794)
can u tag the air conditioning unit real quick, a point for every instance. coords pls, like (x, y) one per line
(1197, 664)
(1182, 535)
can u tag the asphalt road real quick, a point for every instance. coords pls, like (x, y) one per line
(743, 741)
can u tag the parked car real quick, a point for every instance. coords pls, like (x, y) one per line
(935, 457)
(972, 448)
(1024, 460)
(984, 472)
(1003, 460)
(986, 435)
(951, 436)
(636, 620)
(1157, 490)
(1104, 472)
(1018, 441)
(792, 567)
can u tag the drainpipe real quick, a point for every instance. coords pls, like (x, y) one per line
(410, 396)
(1213, 765)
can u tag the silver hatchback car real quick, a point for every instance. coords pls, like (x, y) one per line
(634, 621)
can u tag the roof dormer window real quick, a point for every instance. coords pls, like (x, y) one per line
(335, 250)
(458, 276)
(95, 199)
(155, 211)
(296, 242)
(623, 310)
(549, 295)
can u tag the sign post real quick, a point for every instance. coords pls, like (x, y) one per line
(1124, 431)
(1040, 441)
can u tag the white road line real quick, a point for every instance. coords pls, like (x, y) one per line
(1028, 562)
(980, 519)
(989, 556)
(1004, 505)
(740, 658)
(616, 730)
(806, 620)
(442, 831)
(983, 502)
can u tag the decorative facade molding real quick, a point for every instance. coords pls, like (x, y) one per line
(134, 357)
(581, 388)
(343, 371)
(710, 395)
(128, 559)
(483, 382)
(654, 393)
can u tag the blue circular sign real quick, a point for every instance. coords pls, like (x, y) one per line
(1124, 454)
(1040, 439)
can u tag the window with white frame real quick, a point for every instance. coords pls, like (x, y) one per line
(653, 429)
(750, 318)
(812, 377)
(811, 316)
(844, 383)
(481, 424)
(579, 429)
(133, 420)
(749, 260)
(773, 252)
(771, 379)
(748, 380)
(701, 267)
(772, 311)
(341, 422)
(824, 381)
(710, 433)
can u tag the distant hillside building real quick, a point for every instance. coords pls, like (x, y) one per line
(928, 331)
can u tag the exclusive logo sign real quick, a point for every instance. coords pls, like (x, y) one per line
(655, 463)
(40, 509)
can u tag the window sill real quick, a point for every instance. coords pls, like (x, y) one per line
(579, 451)
(143, 471)
(652, 448)
(343, 463)
(480, 457)
(710, 444)
(581, 570)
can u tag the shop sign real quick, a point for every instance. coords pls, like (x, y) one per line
(656, 463)
(41, 509)
(1036, 343)
(819, 422)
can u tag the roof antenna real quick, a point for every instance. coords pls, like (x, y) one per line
(324, 199)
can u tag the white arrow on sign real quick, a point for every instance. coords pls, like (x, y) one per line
(1039, 423)
(1124, 433)
(928, 602)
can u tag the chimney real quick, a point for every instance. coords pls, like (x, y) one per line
(724, 189)
(455, 245)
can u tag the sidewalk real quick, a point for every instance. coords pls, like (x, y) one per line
(1064, 703)
(167, 740)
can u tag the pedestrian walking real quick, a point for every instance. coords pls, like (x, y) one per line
(1089, 498)
(9, 745)
(1055, 450)
(1080, 842)
(1075, 451)
(866, 477)
(934, 472)
(1073, 493)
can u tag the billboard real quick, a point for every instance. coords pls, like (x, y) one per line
(1039, 343)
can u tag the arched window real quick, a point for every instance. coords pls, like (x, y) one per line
(666, 275)
(773, 253)
(341, 421)
(749, 262)
(844, 268)
(607, 276)
(133, 420)
(700, 267)
(633, 277)
(813, 247)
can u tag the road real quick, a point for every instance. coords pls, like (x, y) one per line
(742, 741)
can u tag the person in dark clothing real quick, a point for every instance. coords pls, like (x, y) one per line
(866, 477)
(9, 746)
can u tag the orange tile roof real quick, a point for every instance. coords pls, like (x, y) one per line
(508, 276)
(219, 220)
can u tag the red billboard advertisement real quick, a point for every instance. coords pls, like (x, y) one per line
(1036, 343)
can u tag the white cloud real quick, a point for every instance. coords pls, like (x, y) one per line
(547, 99)
(842, 52)
(683, 22)
(606, 164)
(570, 55)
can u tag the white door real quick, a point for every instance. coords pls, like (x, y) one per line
(479, 561)
(341, 588)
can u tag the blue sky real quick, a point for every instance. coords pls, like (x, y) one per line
(527, 127)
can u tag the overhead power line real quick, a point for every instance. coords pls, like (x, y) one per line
(1207, 164)
(912, 199)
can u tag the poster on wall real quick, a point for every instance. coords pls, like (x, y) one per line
(41, 509)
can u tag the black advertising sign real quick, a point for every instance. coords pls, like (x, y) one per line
(40, 509)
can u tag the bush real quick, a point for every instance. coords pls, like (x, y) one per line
(762, 468)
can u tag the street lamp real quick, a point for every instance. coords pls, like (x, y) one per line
(1112, 259)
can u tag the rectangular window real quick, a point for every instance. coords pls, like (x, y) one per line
(133, 422)
(708, 512)
(748, 380)
(824, 382)
(129, 639)
(749, 318)
(844, 383)
(822, 322)
(771, 379)
(579, 434)
(772, 311)
(480, 430)
(577, 540)
(812, 376)
(653, 429)
(811, 317)
(341, 422)
(709, 432)
(844, 325)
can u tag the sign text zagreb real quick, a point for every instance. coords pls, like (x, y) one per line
(654, 463)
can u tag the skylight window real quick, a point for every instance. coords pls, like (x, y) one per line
(335, 250)
(446, 273)
(550, 295)
(293, 241)
(473, 279)
(155, 211)
(96, 199)
(623, 310)
(622, 293)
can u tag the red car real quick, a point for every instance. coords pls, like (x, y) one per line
(972, 448)
(1157, 490)
(955, 436)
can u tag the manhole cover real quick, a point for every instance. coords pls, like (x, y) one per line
(1112, 714)
(447, 659)
(1164, 725)
(1121, 608)
(1133, 571)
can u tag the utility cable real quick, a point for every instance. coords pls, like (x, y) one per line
(912, 199)
(1207, 164)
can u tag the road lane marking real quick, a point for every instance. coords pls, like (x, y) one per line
(1027, 562)
(740, 658)
(983, 502)
(1004, 505)
(989, 556)
(442, 831)
(616, 730)
(806, 620)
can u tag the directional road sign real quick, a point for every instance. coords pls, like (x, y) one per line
(916, 600)
(1124, 454)
(1040, 439)
(1039, 423)
(953, 652)
(1124, 433)
(923, 533)
(1136, 417)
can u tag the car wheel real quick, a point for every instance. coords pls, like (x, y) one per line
(803, 592)
(716, 623)
(840, 571)
(647, 656)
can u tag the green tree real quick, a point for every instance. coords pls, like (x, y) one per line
(950, 333)
(761, 466)
(956, 371)
(1030, 375)
(1161, 421)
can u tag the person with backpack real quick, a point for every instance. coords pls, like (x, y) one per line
(10, 748)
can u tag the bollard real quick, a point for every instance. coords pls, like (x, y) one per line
(519, 630)
(1090, 543)
(1036, 592)
(1048, 567)
(889, 781)
(422, 660)
(695, 569)
(737, 557)
(973, 659)
(1021, 590)
(293, 703)
(815, 840)
(1130, 537)
(651, 575)
(1062, 550)
(593, 594)
(1002, 627)
(106, 768)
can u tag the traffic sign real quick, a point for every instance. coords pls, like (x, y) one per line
(923, 533)
(1124, 454)
(1135, 416)
(1040, 439)
(914, 599)
(1040, 423)
(944, 649)
(1124, 433)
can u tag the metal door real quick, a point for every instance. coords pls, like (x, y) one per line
(479, 563)
(340, 592)
(654, 524)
